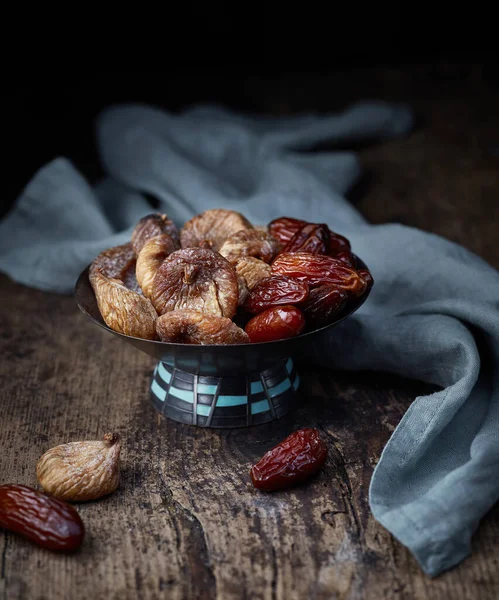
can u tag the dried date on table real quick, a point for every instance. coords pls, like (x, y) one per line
(124, 310)
(198, 279)
(292, 461)
(193, 327)
(152, 225)
(316, 269)
(150, 258)
(211, 228)
(44, 520)
(275, 291)
(250, 242)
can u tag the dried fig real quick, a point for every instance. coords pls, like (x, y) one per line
(211, 228)
(129, 278)
(150, 258)
(81, 471)
(284, 228)
(243, 291)
(114, 262)
(152, 225)
(122, 309)
(252, 270)
(193, 327)
(196, 278)
(250, 242)
(274, 291)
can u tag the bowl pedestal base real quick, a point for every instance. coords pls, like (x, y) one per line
(224, 402)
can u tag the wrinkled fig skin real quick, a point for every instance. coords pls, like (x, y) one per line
(198, 279)
(252, 270)
(81, 471)
(122, 309)
(150, 258)
(130, 279)
(114, 262)
(152, 225)
(211, 228)
(194, 327)
(257, 244)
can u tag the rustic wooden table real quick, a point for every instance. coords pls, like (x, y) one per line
(185, 522)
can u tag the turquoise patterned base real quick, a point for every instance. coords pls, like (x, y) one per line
(238, 401)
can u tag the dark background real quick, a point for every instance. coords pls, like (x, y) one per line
(55, 117)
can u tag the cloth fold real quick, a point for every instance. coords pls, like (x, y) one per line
(433, 313)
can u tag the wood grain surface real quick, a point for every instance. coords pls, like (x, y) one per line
(186, 523)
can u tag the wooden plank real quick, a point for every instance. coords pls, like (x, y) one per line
(186, 522)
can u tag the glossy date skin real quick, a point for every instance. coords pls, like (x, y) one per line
(44, 520)
(323, 304)
(316, 270)
(275, 323)
(292, 461)
(274, 291)
(311, 238)
(284, 228)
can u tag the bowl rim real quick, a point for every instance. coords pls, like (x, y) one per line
(254, 345)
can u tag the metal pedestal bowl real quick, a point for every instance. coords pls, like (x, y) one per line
(215, 385)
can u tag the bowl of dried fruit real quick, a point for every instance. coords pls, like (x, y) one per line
(224, 305)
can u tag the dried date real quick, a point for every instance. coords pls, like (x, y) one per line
(284, 228)
(316, 269)
(194, 327)
(348, 258)
(292, 461)
(277, 323)
(323, 304)
(47, 521)
(275, 291)
(367, 277)
(198, 279)
(337, 243)
(312, 237)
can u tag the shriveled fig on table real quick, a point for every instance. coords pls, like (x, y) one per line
(194, 327)
(150, 258)
(152, 225)
(124, 310)
(252, 270)
(252, 242)
(197, 279)
(81, 471)
(114, 262)
(211, 228)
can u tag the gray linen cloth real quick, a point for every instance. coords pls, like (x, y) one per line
(433, 313)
